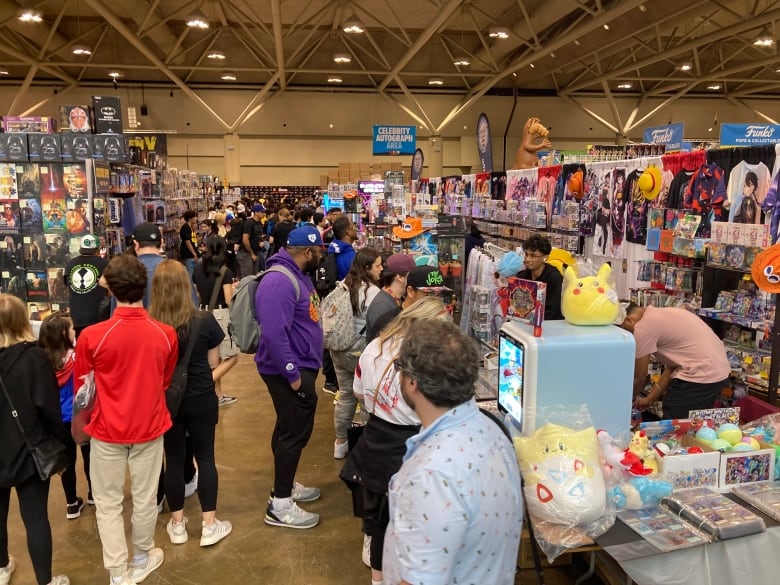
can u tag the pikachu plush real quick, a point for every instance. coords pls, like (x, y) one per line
(590, 300)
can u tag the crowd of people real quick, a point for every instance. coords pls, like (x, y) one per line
(411, 371)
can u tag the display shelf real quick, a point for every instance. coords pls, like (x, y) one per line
(741, 320)
(729, 268)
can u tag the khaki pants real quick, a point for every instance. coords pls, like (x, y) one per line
(108, 464)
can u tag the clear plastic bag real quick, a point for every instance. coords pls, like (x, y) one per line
(83, 405)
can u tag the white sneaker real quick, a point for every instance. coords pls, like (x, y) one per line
(177, 531)
(138, 573)
(191, 487)
(214, 533)
(290, 515)
(340, 450)
(7, 571)
(367, 550)
(301, 493)
(59, 580)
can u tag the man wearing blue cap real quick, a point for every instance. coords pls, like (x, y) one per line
(251, 256)
(288, 358)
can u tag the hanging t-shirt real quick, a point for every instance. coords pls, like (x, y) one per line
(678, 188)
(705, 195)
(617, 218)
(747, 188)
(636, 210)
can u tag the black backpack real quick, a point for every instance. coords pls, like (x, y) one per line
(236, 232)
(326, 275)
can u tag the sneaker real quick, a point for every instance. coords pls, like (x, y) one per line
(330, 388)
(192, 486)
(340, 450)
(213, 534)
(154, 559)
(366, 550)
(90, 499)
(177, 531)
(301, 493)
(59, 580)
(7, 571)
(224, 400)
(125, 580)
(290, 516)
(74, 509)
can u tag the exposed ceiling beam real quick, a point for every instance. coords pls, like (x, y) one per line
(259, 98)
(592, 114)
(276, 17)
(758, 113)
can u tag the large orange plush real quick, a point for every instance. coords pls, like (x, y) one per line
(766, 269)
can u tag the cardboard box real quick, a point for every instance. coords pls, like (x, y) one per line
(525, 559)
(13, 148)
(395, 166)
(76, 147)
(689, 471)
(746, 467)
(109, 147)
(75, 119)
(107, 112)
(15, 124)
(344, 166)
(44, 147)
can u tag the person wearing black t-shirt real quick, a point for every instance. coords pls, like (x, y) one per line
(82, 275)
(282, 229)
(537, 248)
(250, 256)
(188, 253)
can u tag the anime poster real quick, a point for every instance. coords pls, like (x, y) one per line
(34, 250)
(58, 290)
(590, 205)
(28, 180)
(12, 282)
(483, 184)
(617, 218)
(602, 175)
(424, 250)
(469, 185)
(30, 216)
(521, 184)
(10, 220)
(546, 185)
(11, 251)
(56, 249)
(661, 202)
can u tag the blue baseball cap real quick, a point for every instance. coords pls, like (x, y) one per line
(306, 235)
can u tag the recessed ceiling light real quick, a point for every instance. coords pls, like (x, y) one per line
(714, 86)
(764, 39)
(499, 32)
(353, 26)
(514, 74)
(3, 71)
(29, 15)
(335, 79)
(606, 27)
(576, 43)
(197, 20)
(228, 76)
(81, 50)
(532, 66)
(642, 8)
(435, 81)
(552, 55)
(330, 125)
(217, 55)
(625, 85)
(114, 73)
(461, 61)
(686, 66)
(342, 58)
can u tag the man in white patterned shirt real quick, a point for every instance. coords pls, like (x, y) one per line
(456, 503)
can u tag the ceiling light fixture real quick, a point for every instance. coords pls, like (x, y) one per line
(714, 124)
(228, 76)
(714, 86)
(764, 39)
(114, 73)
(625, 85)
(461, 62)
(197, 20)
(435, 81)
(606, 27)
(216, 55)
(335, 79)
(29, 15)
(4, 71)
(532, 66)
(642, 8)
(499, 32)
(342, 58)
(353, 26)
(685, 66)
(81, 50)
(576, 43)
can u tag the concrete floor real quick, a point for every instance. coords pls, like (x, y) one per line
(254, 553)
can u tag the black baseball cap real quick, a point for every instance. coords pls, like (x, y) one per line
(147, 232)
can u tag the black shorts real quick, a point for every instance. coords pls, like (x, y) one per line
(682, 396)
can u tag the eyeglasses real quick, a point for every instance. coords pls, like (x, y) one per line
(535, 256)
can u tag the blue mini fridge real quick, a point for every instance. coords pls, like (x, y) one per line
(567, 366)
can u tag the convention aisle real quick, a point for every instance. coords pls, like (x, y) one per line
(254, 553)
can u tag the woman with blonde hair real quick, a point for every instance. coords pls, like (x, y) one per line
(171, 304)
(380, 450)
(220, 218)
(31, 385)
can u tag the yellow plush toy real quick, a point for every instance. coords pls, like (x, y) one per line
(560, 259)
(590, 300)
(563, 480)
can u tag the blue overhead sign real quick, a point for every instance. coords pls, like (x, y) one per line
(670, 135)
(749, 134)
(394, 140)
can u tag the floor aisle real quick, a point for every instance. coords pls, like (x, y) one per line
(254, 553)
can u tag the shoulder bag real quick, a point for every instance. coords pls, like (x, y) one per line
(174, 395)
(50, 456)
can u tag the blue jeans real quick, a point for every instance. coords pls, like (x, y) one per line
(189, 264)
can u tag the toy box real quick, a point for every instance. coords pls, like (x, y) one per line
(693, 470)
(746, 467)
(44, 147)
(24, 124)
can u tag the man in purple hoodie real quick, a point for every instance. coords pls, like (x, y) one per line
(289, 356)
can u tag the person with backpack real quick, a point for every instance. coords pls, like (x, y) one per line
(214, 281)
(362, 284)
(251, 258)
(344, 234)
(288, 358)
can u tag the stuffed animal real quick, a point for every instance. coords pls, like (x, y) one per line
(639, 447)
(614, 456)
(526, 157)
(563, 481)
(560, 259)
(639, 492)
(766, 269)
(590, 300)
